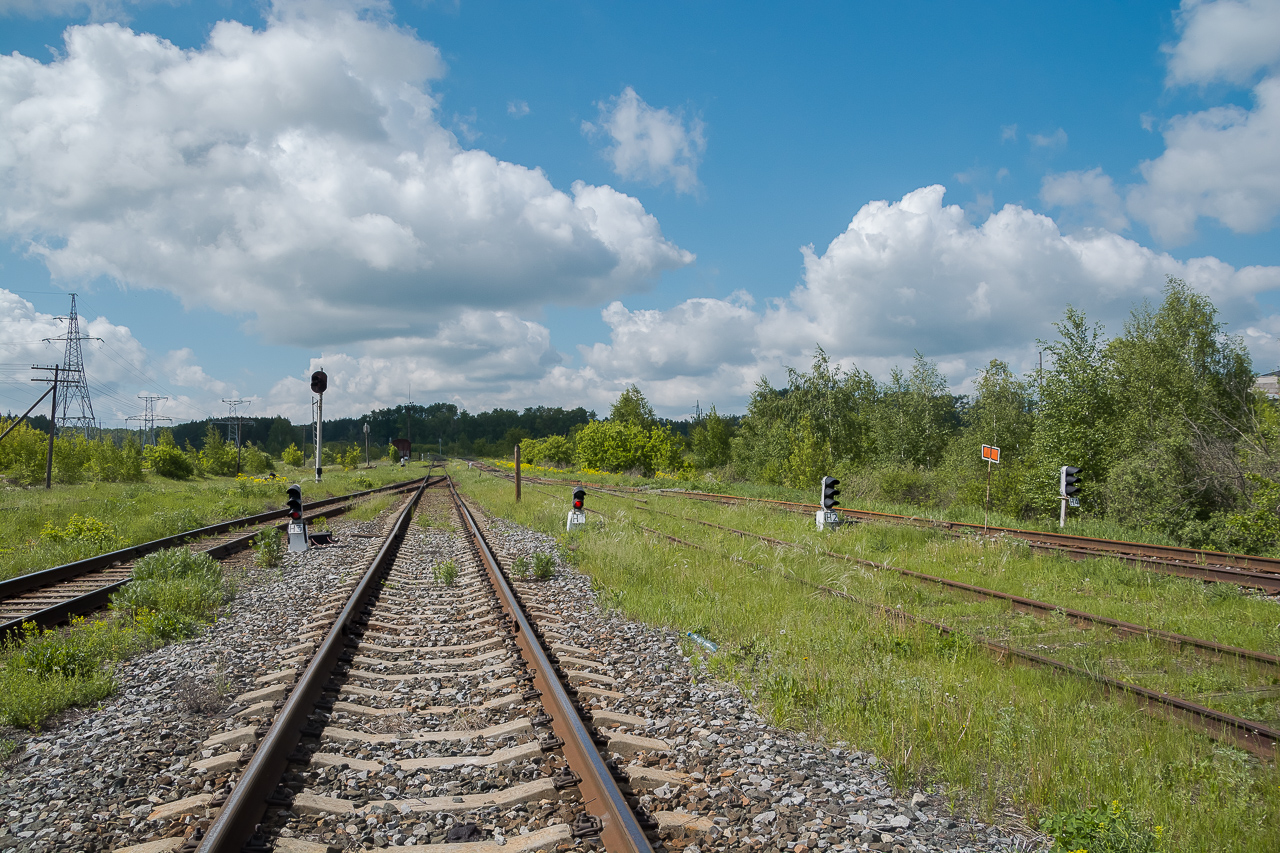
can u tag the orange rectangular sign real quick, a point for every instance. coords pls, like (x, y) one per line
(991, 454)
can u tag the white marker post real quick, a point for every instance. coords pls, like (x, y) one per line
(991, 454)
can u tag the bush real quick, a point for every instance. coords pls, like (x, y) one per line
(86, 531)
(255, 461)
(218, 457)
(521, 567)
(1111, 830)
(907, 485)
(168, 461)
(268, 546)
(47, 671)
(291, 455)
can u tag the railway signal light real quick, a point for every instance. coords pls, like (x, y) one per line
(827, 516)
(319, 381)
(297, 527)
(830, 493)
(1067, 483)
(578, 514)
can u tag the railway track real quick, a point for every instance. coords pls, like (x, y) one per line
(1261, 573)
(52, 596)
(400, 634)
(428, 728)
(1260, 739)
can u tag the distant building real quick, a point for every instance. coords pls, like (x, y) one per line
(1269, 384)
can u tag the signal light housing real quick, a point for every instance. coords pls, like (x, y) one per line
(830, 493)
(579, 498)
(319, 381)
(294, 502)
(1068, 482)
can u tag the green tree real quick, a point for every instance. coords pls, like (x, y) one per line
(1076, 415)
(836, 405)
(915, 416)
(282, 434)
(632, 408)
(1185, 386)
(217, 456)
(167, 460)
(712, 440)
(1002, 414)
(557, 450)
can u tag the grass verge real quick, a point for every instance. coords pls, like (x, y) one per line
(935, 708)
(40, 528)
(174, 594)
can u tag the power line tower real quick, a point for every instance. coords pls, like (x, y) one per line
(76, 410)
(233, 419)
(149, 417)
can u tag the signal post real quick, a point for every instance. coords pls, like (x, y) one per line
(1068, 489)
(577, 514)
(827, 517)
(297, 527)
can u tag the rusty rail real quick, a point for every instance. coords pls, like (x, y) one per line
(621, 831)
(1256, 738)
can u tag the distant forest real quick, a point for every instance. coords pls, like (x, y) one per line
(430, 427)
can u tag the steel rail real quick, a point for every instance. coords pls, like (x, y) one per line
(1258, 739)
(1198, 557)
(96, 599)
(44, 577)
(621, 831)
(240, 815)
(62, 611)
(1247, 570)
(1017, 600)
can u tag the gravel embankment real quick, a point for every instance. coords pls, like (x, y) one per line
(724, 781)
(760, 788)
(89, 783)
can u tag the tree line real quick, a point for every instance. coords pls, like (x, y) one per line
(1162, 418)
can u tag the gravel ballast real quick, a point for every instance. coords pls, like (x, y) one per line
(706, 766)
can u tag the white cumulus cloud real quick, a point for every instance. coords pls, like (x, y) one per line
(652, 145)
(299, 174)
(1223, 162)
(1092, 191)
(1226, 40)
(118, 367)
(908, 275)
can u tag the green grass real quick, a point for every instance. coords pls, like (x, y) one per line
(370, 508)
(174, 594)
(1080, 526)
(936, 708)
(141, 512)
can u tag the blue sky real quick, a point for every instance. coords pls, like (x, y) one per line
(514, 204)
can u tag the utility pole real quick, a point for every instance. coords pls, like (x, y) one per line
(234, 404)
(53, 422)
(75, 388)
(366, 444)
